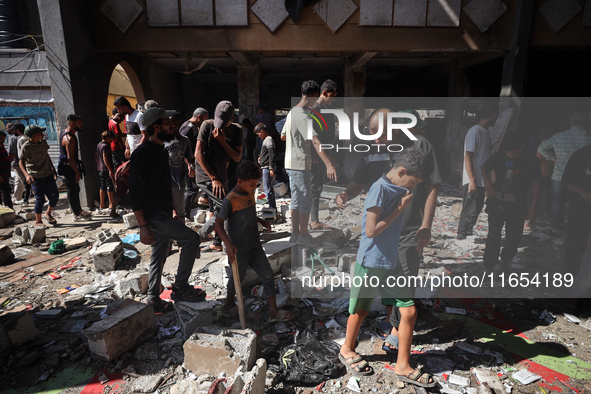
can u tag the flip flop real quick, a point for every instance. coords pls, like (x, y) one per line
(359, 368)
(383, 329)
(282, 317)
(390, 340)
(417, 378)
(50, 219)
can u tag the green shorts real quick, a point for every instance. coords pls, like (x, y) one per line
(362, 296)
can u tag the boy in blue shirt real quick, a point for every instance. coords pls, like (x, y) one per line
(377, 261)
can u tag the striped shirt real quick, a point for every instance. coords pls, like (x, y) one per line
(561, 146)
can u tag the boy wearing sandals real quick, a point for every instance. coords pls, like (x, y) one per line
(39, 172)
(377, 257)
(242, 239)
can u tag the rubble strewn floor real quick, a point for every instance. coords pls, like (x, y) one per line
(523, 345)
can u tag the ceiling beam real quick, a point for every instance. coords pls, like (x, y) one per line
(361, 59)
(241, 58)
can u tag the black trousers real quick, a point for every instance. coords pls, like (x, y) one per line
(317, 181)
(73, 189)
(471, 208)
(511, 216)
(190, 194)
(577, 230)
(5, 192)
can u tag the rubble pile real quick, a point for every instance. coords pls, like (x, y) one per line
(83, 314)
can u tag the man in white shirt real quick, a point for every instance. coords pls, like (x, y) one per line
(477, 149)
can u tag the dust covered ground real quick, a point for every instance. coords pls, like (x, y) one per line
(461, 341)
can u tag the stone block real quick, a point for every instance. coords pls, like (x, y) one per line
(485, 12)
(122, 331)
(28, 235)
(131, 285)
(75, 243)
(558, 13)
(272, 13)
(201, 216)
(107, 256)
(147, 384)
(6, 255)
(16, 329)
(329, 254)
(162, 12)
(130, 220)
(29, 216)
(106, 236)
(226, 352)
(193, 315)
(121, 12)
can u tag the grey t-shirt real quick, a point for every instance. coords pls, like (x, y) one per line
(37, 160)
(13, 149)
(240, 211)
(178, 150)
(477, 141)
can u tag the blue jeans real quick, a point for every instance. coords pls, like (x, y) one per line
(558, 196)
(165, 228)
(268, 187)
(45, 187)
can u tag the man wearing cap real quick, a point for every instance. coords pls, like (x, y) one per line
(559, 148)
(190, 129)
(151, 201)
(39, 172)
(70, 166)
(218, 141)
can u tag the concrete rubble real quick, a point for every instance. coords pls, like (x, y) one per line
(95, 314)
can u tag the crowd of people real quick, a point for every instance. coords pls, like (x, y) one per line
(164, 162)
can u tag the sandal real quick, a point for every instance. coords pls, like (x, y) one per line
(383, 329)
(160, 306)
(282, 316)
(361, 366)
(187, 293)
(393, 341)
(418, 378)
(50, 219)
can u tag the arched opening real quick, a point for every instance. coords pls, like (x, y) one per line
(124, 82)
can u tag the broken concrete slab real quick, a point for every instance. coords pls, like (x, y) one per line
(146, 384)
(193, 315)
(24, 235)
(6, 255)
(120, 332)
(253, 381)
(131, 285)
(7, 216)
(107, 256)
(224, 353)
(75, 243)
(16, 329)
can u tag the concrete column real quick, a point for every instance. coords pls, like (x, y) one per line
(248, 91)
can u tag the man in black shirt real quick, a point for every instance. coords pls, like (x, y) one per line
(218, 141)
(515, 171)
(151, 201)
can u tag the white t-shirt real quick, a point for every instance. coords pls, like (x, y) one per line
(298, 148)
(477, 141)
(134, 139)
